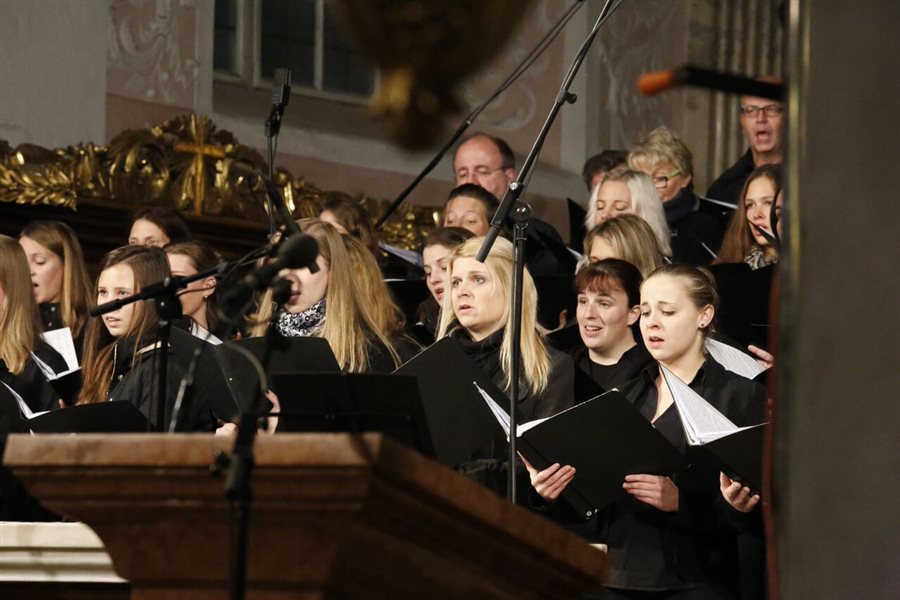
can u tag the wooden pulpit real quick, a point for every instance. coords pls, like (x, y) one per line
(333, 516)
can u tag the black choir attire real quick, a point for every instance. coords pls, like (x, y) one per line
(691, 553)
(31, 384)
(695, 235)
(631, 363)
(727, 188)
(489, 467)
(135, 380)
(545, 251)
(555, 398)
(428, 316)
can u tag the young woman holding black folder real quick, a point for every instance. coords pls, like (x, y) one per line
(120, 346)
(20, 340)
(607, 311)
(476, 312)
(673, 537)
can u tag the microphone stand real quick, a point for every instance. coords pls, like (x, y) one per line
(467, 122)
(521, 213)
(281, 93)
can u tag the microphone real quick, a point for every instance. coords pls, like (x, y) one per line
(281, 88)
(296, 252)
(653, 82)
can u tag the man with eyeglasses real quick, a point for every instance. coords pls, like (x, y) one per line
(762, 121)
(489, 162)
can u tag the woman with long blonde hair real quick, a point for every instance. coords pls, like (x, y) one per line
(120, 349)
(356, 320)
(20, 342)
(624, 191)
(476, 313)
(62, 287)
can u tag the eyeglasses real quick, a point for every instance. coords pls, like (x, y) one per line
(771, 110)
(480, 171)
(663, 180)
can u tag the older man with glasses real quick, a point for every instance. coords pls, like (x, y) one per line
(762, 121)
(488, 161)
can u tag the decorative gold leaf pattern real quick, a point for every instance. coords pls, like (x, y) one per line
(185, 163)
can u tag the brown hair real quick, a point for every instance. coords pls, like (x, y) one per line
(448, 237)
(203, 257)
(352, 217)
(610, 274)
(168, 219)
(58, 238)
(149, 266)
(738, 238)
(20, 320)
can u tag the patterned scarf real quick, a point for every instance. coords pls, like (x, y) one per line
(302, 324)
(757, 259)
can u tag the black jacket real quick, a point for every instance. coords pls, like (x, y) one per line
(654, 550)
(556, 397)
(135, 380)
(612, 376)
(31, 384)
(727, 188)
(695, 235)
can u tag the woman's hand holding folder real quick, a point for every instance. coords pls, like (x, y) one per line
(550, 482)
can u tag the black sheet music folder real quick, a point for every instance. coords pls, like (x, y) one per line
(605, 439)
(297, 355)
(117, 416)
(350, 402)
(460, 421)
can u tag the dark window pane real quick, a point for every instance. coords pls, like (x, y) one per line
(345, 69)
(288, 39)
(225, 36)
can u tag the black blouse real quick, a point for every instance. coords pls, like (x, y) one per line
(135, 379)
(556, 397)
(610, 376)
(652, 550)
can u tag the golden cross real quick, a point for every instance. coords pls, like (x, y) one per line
(200, 151)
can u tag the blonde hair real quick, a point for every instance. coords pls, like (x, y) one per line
(352, 315)
(631, 239)
(58, 238)
(149, 265)
(659, 146)
(20, 320)
(700, 285)
(645, 203)
(535, 360)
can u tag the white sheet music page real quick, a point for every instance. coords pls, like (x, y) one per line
(499, 413)
(61, 341)
(733, 359)
(702, 422)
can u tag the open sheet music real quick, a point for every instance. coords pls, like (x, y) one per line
(605, 439)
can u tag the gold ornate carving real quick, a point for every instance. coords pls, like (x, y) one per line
(185, 163)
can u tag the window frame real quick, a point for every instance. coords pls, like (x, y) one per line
(248, 27)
